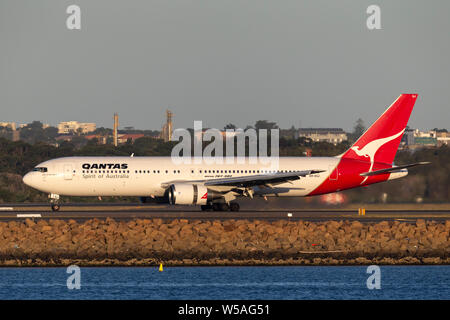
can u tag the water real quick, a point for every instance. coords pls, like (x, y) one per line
(397, 282)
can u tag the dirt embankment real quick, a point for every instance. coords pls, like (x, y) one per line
(229, 242)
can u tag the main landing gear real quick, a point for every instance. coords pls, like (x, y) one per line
(232, 206)
(54, 201)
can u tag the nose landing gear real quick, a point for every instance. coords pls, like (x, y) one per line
(54, 201)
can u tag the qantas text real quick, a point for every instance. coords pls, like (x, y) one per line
(121, 166)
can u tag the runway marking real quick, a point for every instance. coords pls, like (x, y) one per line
(29, 215)
(6, 208)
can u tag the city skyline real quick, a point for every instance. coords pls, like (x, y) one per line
(19, 125)
(295, 63)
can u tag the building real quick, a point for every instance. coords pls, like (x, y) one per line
(23, 125)
(11, 125)
(330, 135)
(414, 138)
(424, 134)
(407, 138)
(101, 139)
(425, 142)
(124, 138)
(443, 138)
(68, 127)
(199, 135)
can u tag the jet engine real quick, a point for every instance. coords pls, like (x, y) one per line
(181, 193)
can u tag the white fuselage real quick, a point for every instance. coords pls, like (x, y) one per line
(150, 176)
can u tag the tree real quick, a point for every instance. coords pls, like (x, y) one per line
(79, 131)
(358, 130)
(51, 133)
(264, 124)
(230, 126)
(33, 132)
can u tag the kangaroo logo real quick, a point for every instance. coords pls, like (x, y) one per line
(370, 149)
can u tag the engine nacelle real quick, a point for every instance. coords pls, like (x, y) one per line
(188, 194)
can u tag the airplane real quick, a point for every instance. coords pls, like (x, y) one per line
(215, 187)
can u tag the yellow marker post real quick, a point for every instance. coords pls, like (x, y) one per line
(363, 211)
(160, 267)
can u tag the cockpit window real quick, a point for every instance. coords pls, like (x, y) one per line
(40, 169)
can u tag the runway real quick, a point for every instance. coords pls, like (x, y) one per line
(81, 212)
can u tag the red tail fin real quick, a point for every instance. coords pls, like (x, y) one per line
(380, 142)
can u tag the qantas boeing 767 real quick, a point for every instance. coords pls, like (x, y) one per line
(215, 186)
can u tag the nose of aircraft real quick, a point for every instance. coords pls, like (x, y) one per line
(28, 179)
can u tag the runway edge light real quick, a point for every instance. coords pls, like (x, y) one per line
(160, 267)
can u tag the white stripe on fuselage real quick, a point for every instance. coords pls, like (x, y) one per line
(65, 176)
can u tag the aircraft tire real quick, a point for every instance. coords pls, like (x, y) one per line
(234, 206)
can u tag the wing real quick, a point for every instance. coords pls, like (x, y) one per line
(257, 180)
(242, 183)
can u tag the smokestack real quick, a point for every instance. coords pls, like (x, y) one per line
(167, 128)
(169, 125)
(116, 126)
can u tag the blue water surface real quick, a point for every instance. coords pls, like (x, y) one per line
(297, 282)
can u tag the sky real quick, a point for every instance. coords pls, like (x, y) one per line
(298, 63)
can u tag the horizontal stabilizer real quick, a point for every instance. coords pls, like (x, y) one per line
(393, 169)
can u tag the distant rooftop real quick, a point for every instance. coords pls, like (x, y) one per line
(321, 130)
